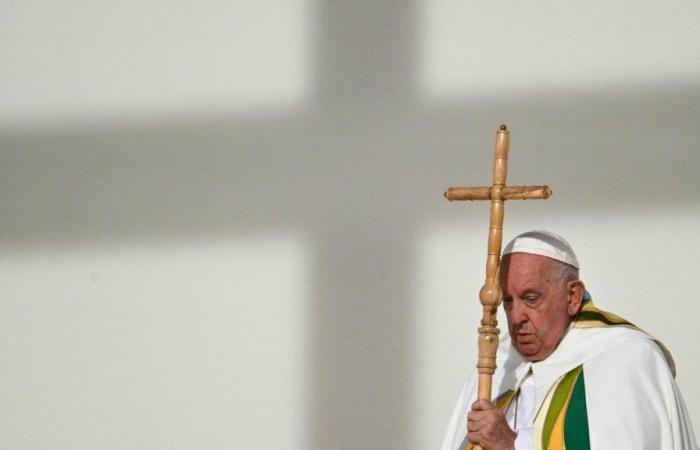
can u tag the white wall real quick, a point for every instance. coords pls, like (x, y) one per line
(223, 226)
(148, 345)
(105, 61)
(514, 49)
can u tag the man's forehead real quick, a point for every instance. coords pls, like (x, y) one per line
(523, 272)
(520, 272)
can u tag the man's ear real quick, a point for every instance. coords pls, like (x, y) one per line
(575, 290)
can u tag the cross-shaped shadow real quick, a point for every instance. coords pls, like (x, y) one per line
(361, 170)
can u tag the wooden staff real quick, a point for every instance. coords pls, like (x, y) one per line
(490, 294)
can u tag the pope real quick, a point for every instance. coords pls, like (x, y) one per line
(570, 375)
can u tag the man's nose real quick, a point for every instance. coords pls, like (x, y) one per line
(518, 312)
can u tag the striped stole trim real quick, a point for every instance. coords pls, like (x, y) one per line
(563, 418)
(593, 317)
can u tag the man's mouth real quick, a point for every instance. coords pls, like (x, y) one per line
(524, 336)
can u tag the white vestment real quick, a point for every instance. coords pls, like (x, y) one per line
(521, 415)
(631, 398)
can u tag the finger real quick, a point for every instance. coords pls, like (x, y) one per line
(478, 416)
(475, 425)
(474, 438)
(484, 420)
(483, 405)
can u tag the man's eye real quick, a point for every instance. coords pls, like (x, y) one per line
(531, 298)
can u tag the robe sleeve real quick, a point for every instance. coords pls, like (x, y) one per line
(633, 401)
(457, 428)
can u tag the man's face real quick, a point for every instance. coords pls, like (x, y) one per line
(536, 304)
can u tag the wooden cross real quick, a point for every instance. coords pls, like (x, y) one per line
(490, 294)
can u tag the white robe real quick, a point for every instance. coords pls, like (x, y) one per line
(632, 400)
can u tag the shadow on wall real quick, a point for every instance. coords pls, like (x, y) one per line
(361, 170)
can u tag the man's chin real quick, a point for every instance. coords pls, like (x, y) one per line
(527, 350)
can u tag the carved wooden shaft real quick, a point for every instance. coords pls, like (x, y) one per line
(490, 294)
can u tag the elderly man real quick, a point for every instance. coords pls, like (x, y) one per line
(570, 375)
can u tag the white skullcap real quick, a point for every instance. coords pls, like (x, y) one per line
(544, 243)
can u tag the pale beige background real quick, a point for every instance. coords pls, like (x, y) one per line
(222, 223)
